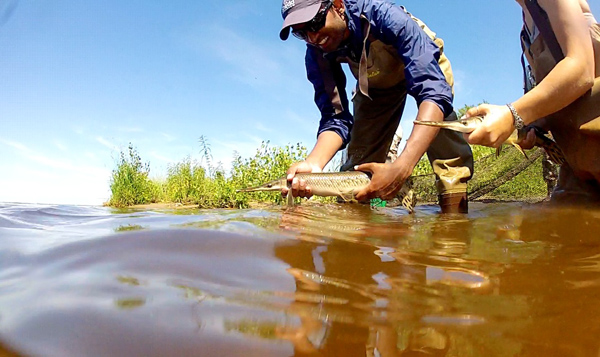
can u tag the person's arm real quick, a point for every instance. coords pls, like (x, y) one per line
(336, 122)
(568, 80)
(571, 77)
(328, 143)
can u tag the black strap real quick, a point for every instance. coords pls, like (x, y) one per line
(540, 18)
(528, 80)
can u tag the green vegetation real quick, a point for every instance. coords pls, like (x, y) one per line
(201, 183)
(509, 176)
(129, 182)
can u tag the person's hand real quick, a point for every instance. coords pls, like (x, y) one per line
(299, 187)
(386, 181)
(496, 127)
(529, 141)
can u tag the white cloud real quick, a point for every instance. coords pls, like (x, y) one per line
(60, 145)
(57, 183)
(261, 127)
(308, 122)
(107, 143)
(39, 178)
(257, 63)
(462, 89)
(16, 145)
(56, 189)
(169, 138)
(160, 157)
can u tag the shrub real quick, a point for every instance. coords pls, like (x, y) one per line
(129, 183)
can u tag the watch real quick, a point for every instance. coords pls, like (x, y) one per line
(517, 120)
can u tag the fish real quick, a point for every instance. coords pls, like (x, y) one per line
(343, 184)
(468, 125)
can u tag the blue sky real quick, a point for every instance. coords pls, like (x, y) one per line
(79, 80)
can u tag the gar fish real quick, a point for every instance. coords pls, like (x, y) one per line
(341, 184)
(468, 125)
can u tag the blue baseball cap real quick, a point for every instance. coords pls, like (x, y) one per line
(297, 12)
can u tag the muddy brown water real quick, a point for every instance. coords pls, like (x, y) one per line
(508, 279)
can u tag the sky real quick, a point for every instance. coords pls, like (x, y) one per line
(80, 80)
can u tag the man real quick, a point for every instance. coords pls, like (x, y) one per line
(391, 54)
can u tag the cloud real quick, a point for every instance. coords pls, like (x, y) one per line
(25, 184)
(462, 88)
(107, 143)
(257, 63)
(261, 127)
(169, 138)
(252, 64)
(308, 122)
(60, 145)
(16, 145)
(160, 157)
(39, 178)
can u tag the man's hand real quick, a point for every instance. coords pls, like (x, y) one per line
(529, 141)
(299, 187)
(386, 181)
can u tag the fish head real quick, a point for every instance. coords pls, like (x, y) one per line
(467, 125)
(275, 185)
(462, 125)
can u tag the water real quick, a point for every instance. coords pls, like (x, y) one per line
(508, 279)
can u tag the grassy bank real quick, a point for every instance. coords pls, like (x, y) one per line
(205, 185)
(190, 182)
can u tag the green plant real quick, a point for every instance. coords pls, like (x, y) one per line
(208, 186)
(269, 163)
(129, 183)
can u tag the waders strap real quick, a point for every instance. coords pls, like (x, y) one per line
(540, 18)
(363, 78)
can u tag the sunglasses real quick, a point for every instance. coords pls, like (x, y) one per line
(315, 24)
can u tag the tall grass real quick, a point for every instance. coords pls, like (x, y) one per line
(200, 182)
(129, 183)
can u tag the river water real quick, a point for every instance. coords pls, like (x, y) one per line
(508, 279)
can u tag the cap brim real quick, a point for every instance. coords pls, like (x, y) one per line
(298, 17)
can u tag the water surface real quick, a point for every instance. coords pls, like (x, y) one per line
(508, 279)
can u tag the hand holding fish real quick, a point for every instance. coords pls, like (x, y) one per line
(529, 141)
(474, 123)
(299, 186)
(493, 112)
(496, 127)
(386, 181)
